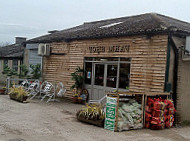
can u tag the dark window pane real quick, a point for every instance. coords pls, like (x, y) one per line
(89, 58)
(124, 76)
(15, 65)
(88, 72)
(99, 74)
(112, 76)
(125, 59)
(5, 63)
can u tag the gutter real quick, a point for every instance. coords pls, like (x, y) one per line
(167, 87)
(175, 75)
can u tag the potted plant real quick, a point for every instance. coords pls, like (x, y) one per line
(92, 114)
(78, 78)
(75, 96)
(18, 94)
(2, 90)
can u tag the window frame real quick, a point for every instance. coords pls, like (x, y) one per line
(15, 66)
(106, 62)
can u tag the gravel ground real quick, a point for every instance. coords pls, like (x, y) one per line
(56, 121)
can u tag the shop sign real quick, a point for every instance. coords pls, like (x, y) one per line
(110, 119)
(110, 49)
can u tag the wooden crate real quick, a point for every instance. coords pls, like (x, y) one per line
(122, 96)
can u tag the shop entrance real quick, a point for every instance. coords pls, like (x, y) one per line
(105, 75)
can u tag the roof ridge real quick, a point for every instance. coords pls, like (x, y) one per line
(159, 20)
(172, 18)
(120, 18)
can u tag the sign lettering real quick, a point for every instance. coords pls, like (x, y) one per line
(110, 49)
(111, 105)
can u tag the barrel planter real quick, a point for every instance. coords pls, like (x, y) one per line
(14, 96)
(82, 118)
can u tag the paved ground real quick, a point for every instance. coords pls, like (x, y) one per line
(56, 121)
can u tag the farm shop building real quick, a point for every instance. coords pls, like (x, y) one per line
(143, 53)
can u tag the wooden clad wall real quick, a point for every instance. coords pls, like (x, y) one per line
(148, 60)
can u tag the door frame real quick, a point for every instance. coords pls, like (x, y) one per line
(105, 63)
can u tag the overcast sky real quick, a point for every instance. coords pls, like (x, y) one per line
(33, 18)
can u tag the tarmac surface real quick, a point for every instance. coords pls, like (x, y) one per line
(56, 121)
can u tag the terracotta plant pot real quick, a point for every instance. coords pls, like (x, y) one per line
(2, 91)
(75, 99)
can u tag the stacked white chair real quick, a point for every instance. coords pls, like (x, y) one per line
(47, 90)
(33, 89)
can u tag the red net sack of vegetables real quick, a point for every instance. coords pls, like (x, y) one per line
(157, 127)
(147, 125)
(170, 104)
(156, 121)
(169, 121)
(150, 102)
(148, 117)
(156, 104)
(148, 109)
(157, 113)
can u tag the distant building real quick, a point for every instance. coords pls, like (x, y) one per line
(31, 52)
(12, 55)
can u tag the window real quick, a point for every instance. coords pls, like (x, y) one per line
(108, 72)
(124, 75)
(5, 62)
(99, 74)
(15, 65)
(111, 76)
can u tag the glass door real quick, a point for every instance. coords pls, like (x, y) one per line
(111, 78)
(99, 81)
(99, 74)
(104, 75)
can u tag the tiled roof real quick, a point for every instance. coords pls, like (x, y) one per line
(12, 51)
(150, 23)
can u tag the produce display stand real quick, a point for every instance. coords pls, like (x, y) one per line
(153, 94)
(112, 105)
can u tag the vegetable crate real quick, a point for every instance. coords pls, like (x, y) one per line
(159, 111)
(124, 111)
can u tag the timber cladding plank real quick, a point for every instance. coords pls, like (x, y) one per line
(148, 60)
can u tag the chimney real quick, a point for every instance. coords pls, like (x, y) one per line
(20, 40)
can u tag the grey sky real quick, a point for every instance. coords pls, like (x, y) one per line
(32, 18)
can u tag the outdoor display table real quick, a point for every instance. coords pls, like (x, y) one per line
(124, 111)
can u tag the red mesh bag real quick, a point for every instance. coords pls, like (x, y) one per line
(165, 112)
(156, 113)
(147, 125)
(169, 122)
(158, 126)
(148, 109)
(162, 106)
(156, 105)
(165, 118)
(170, 104)
(156, 121)
(150, 102)
(171, 111)
(148, 117)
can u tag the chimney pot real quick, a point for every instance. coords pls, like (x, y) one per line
(20, 40)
